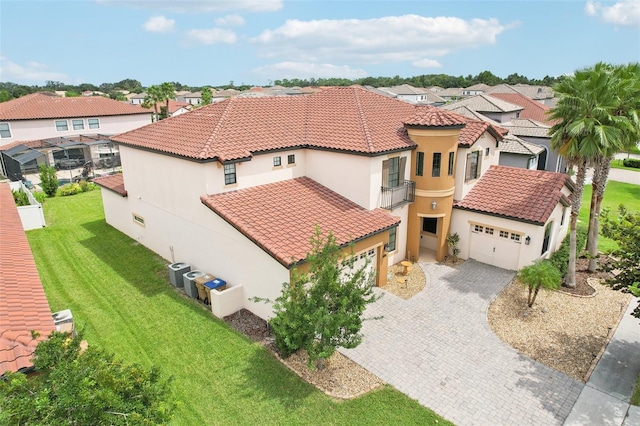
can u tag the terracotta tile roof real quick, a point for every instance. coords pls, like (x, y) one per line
(474, 130)
(23, 304)
(532, 109)
(281, 217)
(173, 106)
(516, 193)
(113, 183)
(435, 117)
(39, 106)
(348, 119)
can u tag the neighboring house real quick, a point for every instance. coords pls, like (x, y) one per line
(23, 305)
(39, 116)
(137, 98)
(175, 107)
(72, 152)
(194, 98)
(414, 95)
(451, 93)
(514, 151)
(476, 89)
(530, 108)
(493, 108)
(538, 134)
(236, 188)
(541, 94)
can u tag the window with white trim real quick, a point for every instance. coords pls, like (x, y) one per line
(5, 131)
(486, 151)
(291, 159)
(94, 123)
(138, 219)
(229, 173)
(62, 125)
(473, 166)
(277, 161)
(77, 124)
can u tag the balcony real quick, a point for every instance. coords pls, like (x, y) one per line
(398, 195)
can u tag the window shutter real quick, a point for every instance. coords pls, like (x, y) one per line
(403, 162)
(467, 172)
(479, 166)
(385, 173)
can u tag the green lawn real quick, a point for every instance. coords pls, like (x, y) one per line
(120, 295)
(616, 193)
(617, 164)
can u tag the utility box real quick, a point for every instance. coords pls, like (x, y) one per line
(176, 271)
(203, 291)
(189, 281)
(63, 321)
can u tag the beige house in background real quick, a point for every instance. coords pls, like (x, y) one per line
(236, 189)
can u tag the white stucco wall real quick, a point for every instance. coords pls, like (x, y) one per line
(24, 130)
(484, 142)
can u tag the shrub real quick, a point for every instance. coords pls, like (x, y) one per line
(560, 259)
(84, 185)
(48, 180)
(21, 198)
(70, 189)
(631, 162)
(539, 275)
(39, 196)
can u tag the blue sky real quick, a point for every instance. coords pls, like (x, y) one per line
(258, 41)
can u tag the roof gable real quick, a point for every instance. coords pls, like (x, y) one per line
(532, 109)
(485, 103)
(39, 106)
(516, 193)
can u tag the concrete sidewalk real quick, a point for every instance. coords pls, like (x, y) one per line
(605, 398)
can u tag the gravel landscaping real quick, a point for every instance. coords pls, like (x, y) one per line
(564, 331)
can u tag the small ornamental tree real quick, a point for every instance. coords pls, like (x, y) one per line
(321, 310)
(90, 387)
(539, 275)
(48, 180)
(625, 231)
(207, 95)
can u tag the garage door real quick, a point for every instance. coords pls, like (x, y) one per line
(360, 260)
(495, 246)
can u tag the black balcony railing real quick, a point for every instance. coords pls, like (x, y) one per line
(398, 195)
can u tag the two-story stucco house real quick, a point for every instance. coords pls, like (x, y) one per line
(236, 188)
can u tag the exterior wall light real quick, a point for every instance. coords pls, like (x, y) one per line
(527, 240)
(434, 204)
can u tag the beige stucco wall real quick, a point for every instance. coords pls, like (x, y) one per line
(23, 130)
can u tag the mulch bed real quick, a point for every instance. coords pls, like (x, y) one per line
(249, 324)
(582, 287)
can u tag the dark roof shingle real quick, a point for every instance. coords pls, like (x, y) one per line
(281, 217)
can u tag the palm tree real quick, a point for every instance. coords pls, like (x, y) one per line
(153, 98)
(536, 276)
(167, 93)
(584, 132)
(625, 87)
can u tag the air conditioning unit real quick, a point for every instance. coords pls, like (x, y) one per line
(63, 321)
(189, 280)
(176, 271)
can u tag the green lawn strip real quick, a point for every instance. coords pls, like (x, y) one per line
(120, 294)
(635, 398)
(616, 193)
(617, 164)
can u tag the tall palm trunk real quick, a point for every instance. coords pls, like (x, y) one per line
(594, 224)
(576, 199)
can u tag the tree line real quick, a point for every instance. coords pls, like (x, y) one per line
(9, 90)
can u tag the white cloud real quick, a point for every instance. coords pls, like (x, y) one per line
(33, 72)
(427, 63)
(308, 70)
(198, 6)
(230, 21)
(623, 13)
(387, 39)
(211, 36)
(159, 24)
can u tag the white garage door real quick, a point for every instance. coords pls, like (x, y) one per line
(495, 246)
(360, 259)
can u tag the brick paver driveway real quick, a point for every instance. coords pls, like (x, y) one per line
(439, 349)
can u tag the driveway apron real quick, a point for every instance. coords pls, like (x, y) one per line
(438, 348)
